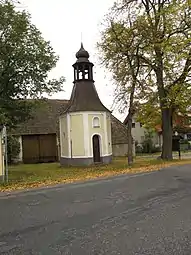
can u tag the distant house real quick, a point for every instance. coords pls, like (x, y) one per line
(181, 124)
(39, 137)
(139, 133)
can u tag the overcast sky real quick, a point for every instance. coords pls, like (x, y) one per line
(62, 22)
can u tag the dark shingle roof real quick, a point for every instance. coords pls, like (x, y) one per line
(84, 97)
(45, 121)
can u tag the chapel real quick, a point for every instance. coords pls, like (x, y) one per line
(85, 125)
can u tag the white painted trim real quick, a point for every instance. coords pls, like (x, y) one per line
(86, 134)
(108, 116)
(105, 132)
(100, 143)
(106, 155)
(88, 112)
(69, 134)
(60, 124)
(93, 121)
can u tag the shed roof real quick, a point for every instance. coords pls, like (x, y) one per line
(45, 119)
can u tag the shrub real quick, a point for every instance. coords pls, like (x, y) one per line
(13, 148)
(156, 149)
(148, 146)
(138, 148)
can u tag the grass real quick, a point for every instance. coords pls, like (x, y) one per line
(183, 152)
(36, 175)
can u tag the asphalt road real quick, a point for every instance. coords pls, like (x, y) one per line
(139, 214)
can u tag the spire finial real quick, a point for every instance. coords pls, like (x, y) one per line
(81, 39)
(82, 53)
(82, 46)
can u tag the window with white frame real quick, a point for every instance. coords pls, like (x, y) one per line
(96, 122)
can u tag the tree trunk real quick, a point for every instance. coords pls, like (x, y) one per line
(130, 140)
(129, 121)
(165, 111)
(167, 134)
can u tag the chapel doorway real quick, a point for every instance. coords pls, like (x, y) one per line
(96, 149)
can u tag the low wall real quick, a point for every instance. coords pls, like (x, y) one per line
(121, 150)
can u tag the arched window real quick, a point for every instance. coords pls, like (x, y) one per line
(96, 122)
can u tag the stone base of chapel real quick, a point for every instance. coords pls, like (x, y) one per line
(84, 161)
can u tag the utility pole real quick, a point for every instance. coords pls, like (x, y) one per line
(4, 154)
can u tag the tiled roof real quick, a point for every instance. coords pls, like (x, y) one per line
(45, 119)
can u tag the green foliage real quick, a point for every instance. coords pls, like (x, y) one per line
(13, 148)
(119, 48)
(13, 112)
(184, 145)
(170, 34)
(138, 148)
(148, 145)
(149, 114)
(160, 31)
(25, 61)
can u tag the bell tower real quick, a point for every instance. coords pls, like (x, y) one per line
(83, 68)
(85, 125)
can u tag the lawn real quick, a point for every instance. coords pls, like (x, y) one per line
(29, 176)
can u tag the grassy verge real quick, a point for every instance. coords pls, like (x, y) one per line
(159, 153)
(29, 176)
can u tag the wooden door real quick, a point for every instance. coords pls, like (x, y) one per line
(48, 148)
(96, 149)
(31, 150)
(39, 148)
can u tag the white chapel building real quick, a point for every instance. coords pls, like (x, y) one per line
(85, 125)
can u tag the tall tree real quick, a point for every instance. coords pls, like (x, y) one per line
(25, 61)
(124, 64)
(164, 27)
(9, 1)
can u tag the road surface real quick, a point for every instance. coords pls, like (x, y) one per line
(146, 214)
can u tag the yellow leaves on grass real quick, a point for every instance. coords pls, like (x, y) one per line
(74, 175)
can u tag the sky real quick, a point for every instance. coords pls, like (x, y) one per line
(64, 23)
